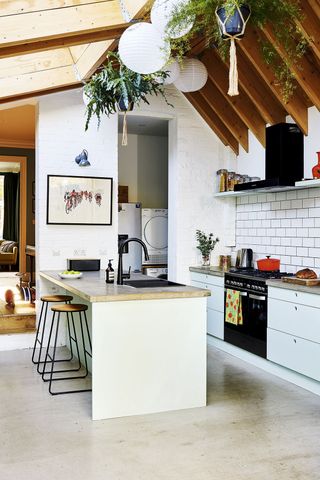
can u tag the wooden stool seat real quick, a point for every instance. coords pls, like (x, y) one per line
(73, 307)
(56, 298)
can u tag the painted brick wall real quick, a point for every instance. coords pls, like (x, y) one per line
(285, 225)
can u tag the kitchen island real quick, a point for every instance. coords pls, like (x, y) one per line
(149, 344)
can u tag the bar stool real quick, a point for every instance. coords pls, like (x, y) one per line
(68, 309)
(40, 335)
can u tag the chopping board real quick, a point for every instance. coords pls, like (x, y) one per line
(307, 282)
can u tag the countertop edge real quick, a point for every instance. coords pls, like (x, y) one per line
(214, 271)
(169, 293)
(293, 286)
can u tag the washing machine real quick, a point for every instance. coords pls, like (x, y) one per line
(154, 223)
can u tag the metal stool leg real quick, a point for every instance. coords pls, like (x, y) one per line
(37, 337)
(51, 373)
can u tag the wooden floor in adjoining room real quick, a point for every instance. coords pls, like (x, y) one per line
(255, 427)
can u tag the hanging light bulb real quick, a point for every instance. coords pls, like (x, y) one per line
(193, 76)
(162, 13)
(143, 49)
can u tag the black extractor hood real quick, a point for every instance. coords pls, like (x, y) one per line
(284, 157)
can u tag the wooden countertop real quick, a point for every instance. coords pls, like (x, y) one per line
(93, 288)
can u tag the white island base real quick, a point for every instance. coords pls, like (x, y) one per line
(149, 346)
(148, 356)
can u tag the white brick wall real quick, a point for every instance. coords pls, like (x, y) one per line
(285, 225)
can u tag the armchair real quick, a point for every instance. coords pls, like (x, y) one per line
(8, 253)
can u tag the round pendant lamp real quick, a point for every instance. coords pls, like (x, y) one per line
(161, 14)
(193, 76)
(143, 49)
(173, 70)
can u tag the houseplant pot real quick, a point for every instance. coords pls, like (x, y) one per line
(233, 25)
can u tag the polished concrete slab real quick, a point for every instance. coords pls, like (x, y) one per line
(256, 427)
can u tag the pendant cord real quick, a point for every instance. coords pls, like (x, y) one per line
(125, 131)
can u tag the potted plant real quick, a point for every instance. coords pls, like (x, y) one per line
(211, 15)
(117, 88)
(206, 244)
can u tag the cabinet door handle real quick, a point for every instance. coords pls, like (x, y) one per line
(296, 294)
(295, 341)
(296, 309)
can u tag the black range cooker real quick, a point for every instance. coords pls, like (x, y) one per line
(251, 334)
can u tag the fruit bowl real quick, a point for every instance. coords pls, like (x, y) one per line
(70, 275)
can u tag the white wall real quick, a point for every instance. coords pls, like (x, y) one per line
(128, 166)
(143, 166)
(253, 163)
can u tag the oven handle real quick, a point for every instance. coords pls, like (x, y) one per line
(242, 294)
(258, 297)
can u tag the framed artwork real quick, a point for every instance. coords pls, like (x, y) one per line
(79, 200)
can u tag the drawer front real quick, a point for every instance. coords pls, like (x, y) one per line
(295, 353)
(312, 300)
(294, 319)
(210, 279)
(216, 300)
(215, 325)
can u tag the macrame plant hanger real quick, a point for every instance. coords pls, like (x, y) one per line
(127, 18)
(233, 71)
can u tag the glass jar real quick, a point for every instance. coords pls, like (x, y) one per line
(231, 180)
(222, 180)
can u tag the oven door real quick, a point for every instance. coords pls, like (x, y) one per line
(251, 336)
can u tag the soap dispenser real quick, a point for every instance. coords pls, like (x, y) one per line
(110, 273)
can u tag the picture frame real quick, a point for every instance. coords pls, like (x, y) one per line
(78, 200)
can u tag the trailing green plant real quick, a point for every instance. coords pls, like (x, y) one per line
(114, 82)
(206, 243)
(280, 14)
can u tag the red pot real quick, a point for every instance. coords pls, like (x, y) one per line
(268, 264)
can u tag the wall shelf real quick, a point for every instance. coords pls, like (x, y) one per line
(298, 186)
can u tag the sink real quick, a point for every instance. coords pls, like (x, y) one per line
(157, 283)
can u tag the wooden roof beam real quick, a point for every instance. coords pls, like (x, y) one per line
(306, 73)
(310, 24)
(230, 118)
(213, 120)
(63, 27)
(296, 106)
(241, 104)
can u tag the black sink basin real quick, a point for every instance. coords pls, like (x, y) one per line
(157, 283)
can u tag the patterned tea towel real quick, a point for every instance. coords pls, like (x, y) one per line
(234, 308)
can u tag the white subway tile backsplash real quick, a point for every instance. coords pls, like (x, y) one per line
(286, 224)
(308, 203)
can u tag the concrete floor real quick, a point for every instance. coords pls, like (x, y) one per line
(256, 427)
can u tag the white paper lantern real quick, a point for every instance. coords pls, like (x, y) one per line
(143, 49)
(161, 15)
(193, 76)
(173, 70)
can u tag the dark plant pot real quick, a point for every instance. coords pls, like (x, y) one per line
(122, 107)
(234, 25)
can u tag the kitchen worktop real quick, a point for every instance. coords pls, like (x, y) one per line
(214, 271)
(293, 286)
(93, 288)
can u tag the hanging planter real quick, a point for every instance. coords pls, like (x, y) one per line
(232, 25)
(116, 88)
(232, 16)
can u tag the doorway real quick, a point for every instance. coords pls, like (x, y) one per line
(143, 192)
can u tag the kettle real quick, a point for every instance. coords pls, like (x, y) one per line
(244, 258)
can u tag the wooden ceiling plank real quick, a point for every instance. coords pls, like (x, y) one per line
(92, 58)
(295, 107)
(212, 119)
(241, 104)
(16, 7)
(59, 23)
(35, 62)
(306, 73)
(229, 117)
(310, 24)
(45, 80)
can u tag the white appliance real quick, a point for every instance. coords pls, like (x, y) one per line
(156, 271)
(129, 218)
(155, 235)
